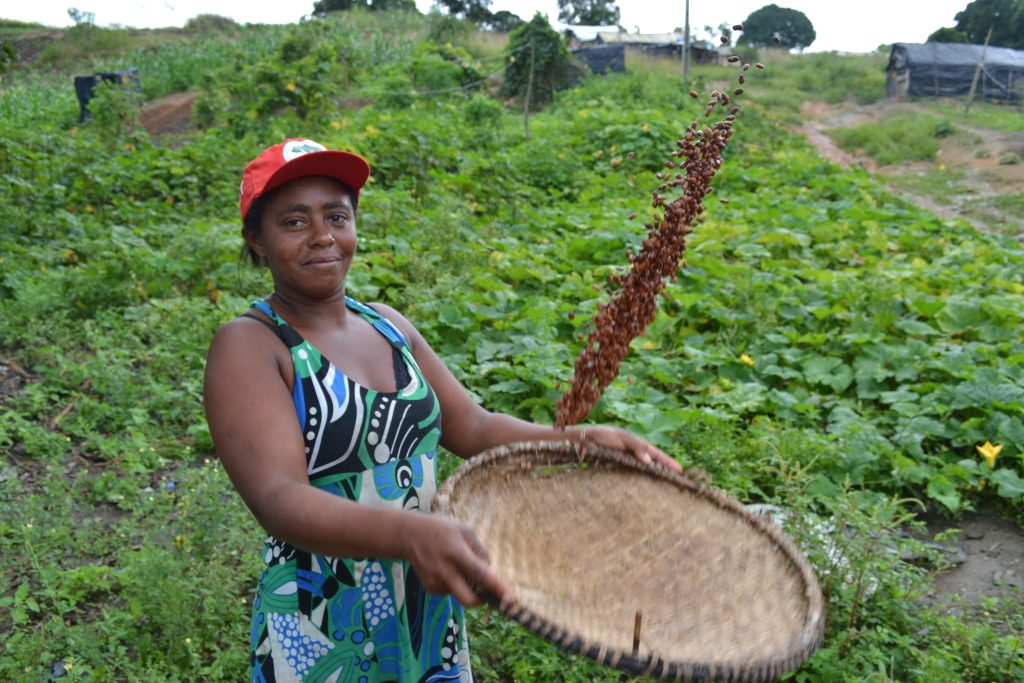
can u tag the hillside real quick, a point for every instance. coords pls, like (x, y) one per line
(830, 348)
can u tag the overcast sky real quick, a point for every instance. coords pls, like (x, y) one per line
(859, 26)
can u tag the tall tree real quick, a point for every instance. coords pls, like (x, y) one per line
(1005, 17)
(321, 7)
(948, 34)
(474, 10)
(774, 25)
(504, 21)
(588, 12)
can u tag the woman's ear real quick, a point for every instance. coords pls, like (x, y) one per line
(255, 243)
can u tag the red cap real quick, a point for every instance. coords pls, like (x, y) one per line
(298, 158)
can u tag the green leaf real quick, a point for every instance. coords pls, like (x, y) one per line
(942, 490)
(831, 372)
(1009, 483)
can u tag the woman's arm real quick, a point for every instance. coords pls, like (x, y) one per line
(252, 420)
(470, 429)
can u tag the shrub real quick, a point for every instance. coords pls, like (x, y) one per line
(535, 47)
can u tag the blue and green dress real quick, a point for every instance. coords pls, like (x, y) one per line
(357, 619)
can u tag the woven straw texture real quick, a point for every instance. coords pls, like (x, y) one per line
(593, 542)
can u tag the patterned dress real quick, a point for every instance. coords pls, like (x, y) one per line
(357, 620)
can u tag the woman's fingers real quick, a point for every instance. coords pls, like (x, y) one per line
(642, 450)
(450, 559)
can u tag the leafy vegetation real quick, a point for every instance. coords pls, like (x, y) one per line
(906, 137)
(829, 348)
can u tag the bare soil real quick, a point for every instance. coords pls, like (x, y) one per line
(170, 114)
(971, 156)
(987, 558)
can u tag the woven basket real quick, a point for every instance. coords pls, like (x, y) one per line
(638, 567)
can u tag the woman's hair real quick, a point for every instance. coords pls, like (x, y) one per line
(253, 223)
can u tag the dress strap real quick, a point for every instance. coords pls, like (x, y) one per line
(291, 338)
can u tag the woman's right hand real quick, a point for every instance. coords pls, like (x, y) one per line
(448, 558)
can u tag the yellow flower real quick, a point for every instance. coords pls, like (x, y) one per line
(990, 453)
(645, 127)
(942, 167)
(747, 360)
(291, 87)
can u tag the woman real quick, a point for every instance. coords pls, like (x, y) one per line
(327, 415)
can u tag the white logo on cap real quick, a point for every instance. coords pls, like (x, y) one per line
(297, 148)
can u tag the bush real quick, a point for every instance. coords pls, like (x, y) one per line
(538, 48)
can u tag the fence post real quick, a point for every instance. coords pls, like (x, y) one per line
(529, 89)
(977, 71)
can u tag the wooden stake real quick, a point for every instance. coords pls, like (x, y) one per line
(636, 632)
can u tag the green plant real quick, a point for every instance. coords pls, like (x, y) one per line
(537, 63)
(115, 110)
(828, 348)
(905, 137)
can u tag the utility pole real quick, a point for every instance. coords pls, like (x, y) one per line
(686, 43)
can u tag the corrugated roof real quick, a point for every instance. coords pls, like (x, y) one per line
(585, 33)
(641, 38)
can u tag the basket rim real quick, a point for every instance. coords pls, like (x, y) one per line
(529, 454)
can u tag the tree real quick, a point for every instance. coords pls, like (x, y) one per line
(948, 35)
(535, 47)
(1005, 17)
(724, 30)
(322, 7)
(588, 12)
(474, 10)
(504, 21)
(774, 25)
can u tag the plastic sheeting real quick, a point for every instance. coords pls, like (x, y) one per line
(947, 70)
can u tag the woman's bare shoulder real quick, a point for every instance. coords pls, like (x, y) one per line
(246, 339)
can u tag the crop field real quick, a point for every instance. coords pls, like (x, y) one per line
(829, 347)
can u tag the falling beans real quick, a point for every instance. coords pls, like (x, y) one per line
(678, 205)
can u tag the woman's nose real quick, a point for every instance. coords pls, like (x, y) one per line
(321, 233)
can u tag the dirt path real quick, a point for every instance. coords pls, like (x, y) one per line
(970, 157)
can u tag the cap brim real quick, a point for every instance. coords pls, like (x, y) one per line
(351, 169)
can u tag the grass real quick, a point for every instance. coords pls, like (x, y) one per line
(899, 138)
(983, 114)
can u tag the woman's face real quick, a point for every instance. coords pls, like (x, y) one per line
(308, 236)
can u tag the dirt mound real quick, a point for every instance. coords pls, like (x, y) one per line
(170, 114)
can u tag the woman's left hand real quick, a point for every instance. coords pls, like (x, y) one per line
(614, 437)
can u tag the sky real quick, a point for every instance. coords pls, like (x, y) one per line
(840, 25)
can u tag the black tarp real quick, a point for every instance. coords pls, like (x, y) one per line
(602, 59)
(947, 70)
